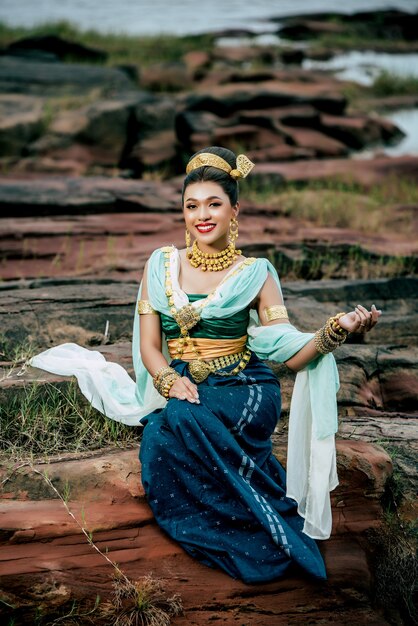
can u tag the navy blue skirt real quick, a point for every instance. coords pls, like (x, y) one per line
(213, 483)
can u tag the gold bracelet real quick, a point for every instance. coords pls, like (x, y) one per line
(275, 312)
(330, 336)
(144, 308)
(164, 379)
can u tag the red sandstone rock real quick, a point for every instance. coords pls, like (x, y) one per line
(316, 141)
(226, 99)
(196, 62)
(39, 540)
(365, 172)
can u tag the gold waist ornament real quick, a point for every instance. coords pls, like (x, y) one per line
(213, 354)
(188, 348)
(200, 369)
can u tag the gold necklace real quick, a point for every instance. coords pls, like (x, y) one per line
(214, 261)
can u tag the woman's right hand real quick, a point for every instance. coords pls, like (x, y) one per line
(184, 389)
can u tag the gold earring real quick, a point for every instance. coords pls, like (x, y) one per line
(233, 231)
(188, 243)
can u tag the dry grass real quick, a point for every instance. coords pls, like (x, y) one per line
(343, 204)
(46, 420)
(141, 602)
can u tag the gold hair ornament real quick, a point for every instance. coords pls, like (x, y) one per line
(243, 168)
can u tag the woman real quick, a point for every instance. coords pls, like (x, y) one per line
(208, 404)
(207, 317)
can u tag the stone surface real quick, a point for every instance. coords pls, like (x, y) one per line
(57, 195)
(367, 173)
(37, 78)
(224, 100)
(39, 540)
(21, 122)
(39, 307)
(58, 46)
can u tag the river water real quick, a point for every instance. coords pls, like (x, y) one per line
(176, 16)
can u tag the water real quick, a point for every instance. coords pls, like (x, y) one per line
(364, 66)
(406, 120)
(177, 17)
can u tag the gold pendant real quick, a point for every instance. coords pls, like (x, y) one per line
(199, 370)
(187, 317)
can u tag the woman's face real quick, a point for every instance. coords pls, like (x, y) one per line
(208, 212)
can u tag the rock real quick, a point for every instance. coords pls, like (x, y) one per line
(154, 113)
(61, 48)
(364, 172)
(63, 195)
(197, 62)
(104, 133)
(158, 151)
(166, 77)
(41, 542)
(305, 115)
(386, 24)
(69, 303)
(22, 120)
(224, 100)
(292, 56)
(320, 144)
(188, 123)
(244, 54)
(279, 153)
(37, 78)
(308, 29)
(358, 131)
(103, 125)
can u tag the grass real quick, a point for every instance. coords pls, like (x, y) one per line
(139, 602)
(47, 419)
(341, 262)
(389, 84)
(122, 48)
(340, 203)
(395, 566)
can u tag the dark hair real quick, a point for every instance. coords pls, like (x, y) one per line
(207, 173)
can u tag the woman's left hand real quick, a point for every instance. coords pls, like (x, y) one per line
(360, 320)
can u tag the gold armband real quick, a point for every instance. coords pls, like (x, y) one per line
(144, 308)
(275, 312)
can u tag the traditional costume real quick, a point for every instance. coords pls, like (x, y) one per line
(208, 469)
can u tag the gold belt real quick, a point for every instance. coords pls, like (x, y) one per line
(186, 348)
(200, 369)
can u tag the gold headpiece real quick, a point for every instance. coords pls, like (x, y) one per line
(244, 165)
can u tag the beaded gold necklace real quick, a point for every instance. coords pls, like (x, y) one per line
(188, 316)
(214, 261)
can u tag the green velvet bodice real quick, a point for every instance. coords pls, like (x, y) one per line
(222, 328)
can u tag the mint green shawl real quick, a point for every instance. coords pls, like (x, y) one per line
(311, 464)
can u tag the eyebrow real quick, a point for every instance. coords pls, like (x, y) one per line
(209, 198)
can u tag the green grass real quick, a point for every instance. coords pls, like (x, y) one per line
(122, 48)
(388, 84)
(47, 419)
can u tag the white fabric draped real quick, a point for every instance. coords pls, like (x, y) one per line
(311, 461)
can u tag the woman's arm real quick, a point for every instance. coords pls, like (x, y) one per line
(151, 350)
(359, 320)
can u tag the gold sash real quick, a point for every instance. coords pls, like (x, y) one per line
(207, 348)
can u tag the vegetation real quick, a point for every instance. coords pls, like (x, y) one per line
(394, 544)
(121, 48)
(46, 419)
(388, 84)
(340, 203)
(141, 602)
